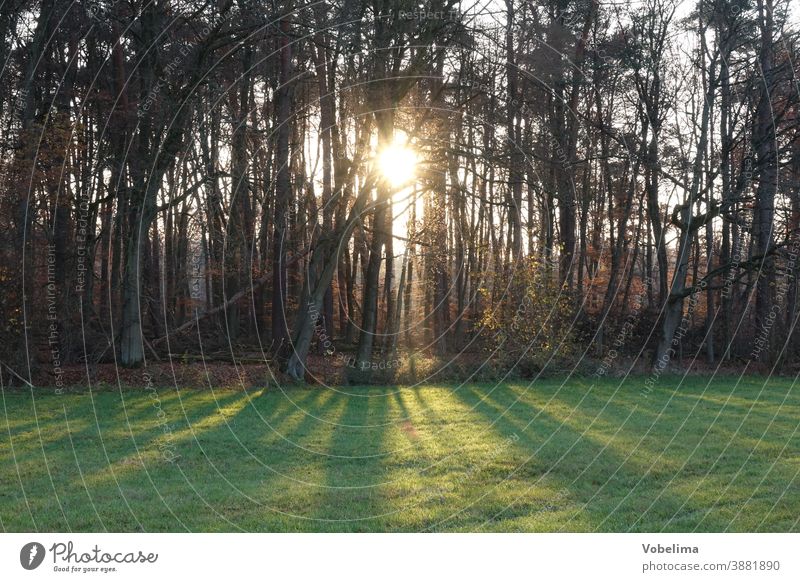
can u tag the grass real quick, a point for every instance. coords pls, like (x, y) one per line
(718, 456)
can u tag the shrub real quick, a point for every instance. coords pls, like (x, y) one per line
(529, 328)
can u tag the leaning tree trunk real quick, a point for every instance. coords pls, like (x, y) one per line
(688, 225)
(369, 322)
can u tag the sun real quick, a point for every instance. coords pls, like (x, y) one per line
(398, 164)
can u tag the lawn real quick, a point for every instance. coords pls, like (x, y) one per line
(693, 454)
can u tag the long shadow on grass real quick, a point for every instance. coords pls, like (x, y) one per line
(349, 498)
(141, 473)
(134, 474)
(237, 463)
(599, 485)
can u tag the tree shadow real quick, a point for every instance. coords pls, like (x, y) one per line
(600, 485)
(474, 458)
(353, 471)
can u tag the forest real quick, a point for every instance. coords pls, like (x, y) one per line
(365, 191)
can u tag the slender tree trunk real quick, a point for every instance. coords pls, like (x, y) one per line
(766, 159)
(283, 194)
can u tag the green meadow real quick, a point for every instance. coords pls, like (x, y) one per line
(694, 454)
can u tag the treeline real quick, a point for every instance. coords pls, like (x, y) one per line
(595, 181)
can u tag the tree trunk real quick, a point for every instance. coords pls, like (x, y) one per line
(280, 332)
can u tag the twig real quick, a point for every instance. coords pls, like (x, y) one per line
(13, 373)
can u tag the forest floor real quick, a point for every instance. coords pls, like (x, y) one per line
(690, 455)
